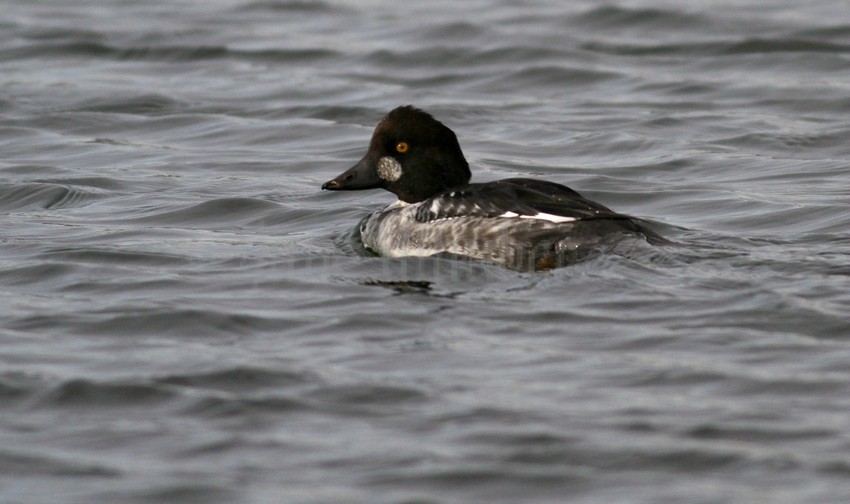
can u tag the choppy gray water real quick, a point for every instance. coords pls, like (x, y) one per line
(186, 317)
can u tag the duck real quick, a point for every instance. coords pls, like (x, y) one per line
(519, 223)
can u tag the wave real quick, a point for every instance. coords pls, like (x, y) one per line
(90, 49)
(28, 465)
(48, 195)
(221, 211)
(618, 17)
(720, 48)
(90, 394)
(241, 378)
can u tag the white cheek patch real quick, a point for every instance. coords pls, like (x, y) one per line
(540, 216)
(389, 169)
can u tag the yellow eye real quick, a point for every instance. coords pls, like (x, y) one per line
(402, 147)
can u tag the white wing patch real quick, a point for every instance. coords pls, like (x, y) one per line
(539, 216)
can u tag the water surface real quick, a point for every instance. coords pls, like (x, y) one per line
(186, 317)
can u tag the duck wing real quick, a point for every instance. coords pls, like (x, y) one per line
(513, 198)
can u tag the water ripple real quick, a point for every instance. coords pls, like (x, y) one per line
(751, 46)
(159, 53)
(186, 317)
(47, 195)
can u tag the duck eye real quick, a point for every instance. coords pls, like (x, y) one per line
(402, 147)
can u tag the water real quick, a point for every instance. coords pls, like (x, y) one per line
(186, 317)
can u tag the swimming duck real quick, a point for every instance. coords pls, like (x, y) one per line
(521, 223)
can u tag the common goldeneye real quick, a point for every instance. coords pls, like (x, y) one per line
(518, 222)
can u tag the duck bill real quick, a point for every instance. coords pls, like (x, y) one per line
(363, 175)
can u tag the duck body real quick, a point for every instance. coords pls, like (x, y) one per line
(517, 222)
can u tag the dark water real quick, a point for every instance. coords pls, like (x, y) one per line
(185, 317)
